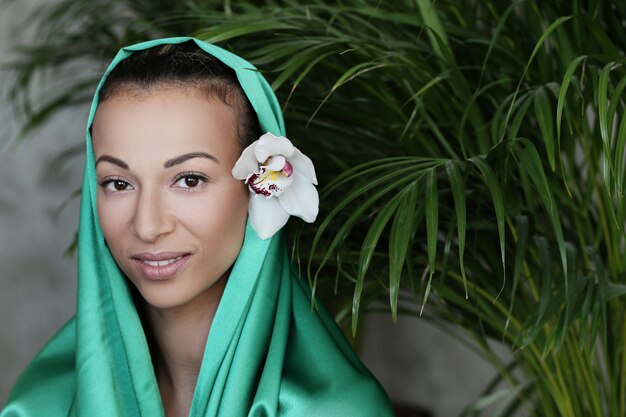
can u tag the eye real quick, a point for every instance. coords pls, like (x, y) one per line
(190, 181)
(115, 185)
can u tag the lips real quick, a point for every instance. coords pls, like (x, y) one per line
(161, 263)
(160, 266)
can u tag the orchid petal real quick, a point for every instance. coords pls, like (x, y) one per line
(270, 145)
(304, 165)
(287, 170)
(267, 216)
(301, 198)
(275, 163)
(246, 164)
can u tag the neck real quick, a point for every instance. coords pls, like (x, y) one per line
(178, 339)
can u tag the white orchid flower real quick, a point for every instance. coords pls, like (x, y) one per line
(281, 180)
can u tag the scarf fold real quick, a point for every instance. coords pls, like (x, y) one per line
(267, 354)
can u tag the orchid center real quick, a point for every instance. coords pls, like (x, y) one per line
(275, 174)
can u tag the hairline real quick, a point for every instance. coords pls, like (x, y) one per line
(199, 88)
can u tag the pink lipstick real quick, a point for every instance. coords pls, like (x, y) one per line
(161, 266)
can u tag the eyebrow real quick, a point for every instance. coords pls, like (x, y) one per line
(112, 160)
(185, 157)
(168, 164)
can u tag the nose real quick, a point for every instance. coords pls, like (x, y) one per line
(151, 219)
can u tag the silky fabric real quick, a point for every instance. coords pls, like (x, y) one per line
(267, 354)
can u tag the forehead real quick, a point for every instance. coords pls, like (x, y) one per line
(161, 122)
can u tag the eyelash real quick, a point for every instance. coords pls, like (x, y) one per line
(107, 181)
(183, 175)
(194, 175)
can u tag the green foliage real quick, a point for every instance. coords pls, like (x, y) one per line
(470, 156)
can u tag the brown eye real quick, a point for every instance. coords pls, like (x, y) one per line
(116, 185)
(120, 185)
(190, 181)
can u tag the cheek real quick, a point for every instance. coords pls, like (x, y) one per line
(236, 210)
(221, 219)
(111, 214)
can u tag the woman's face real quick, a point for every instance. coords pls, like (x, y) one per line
(171, 212)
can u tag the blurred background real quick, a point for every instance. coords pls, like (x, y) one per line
(418, 364)
(37, 283)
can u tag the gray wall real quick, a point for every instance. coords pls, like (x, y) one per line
(417, 363)
(37, 284)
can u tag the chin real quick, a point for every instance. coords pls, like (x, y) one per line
(161, 300)
(174, 296)
(162, 303)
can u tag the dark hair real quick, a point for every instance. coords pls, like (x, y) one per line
(184, 65)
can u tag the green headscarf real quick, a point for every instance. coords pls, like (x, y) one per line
(267, 353)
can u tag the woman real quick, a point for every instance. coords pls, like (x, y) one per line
(187, 302)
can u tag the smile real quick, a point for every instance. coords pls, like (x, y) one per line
(161, 267)
(162, 263)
